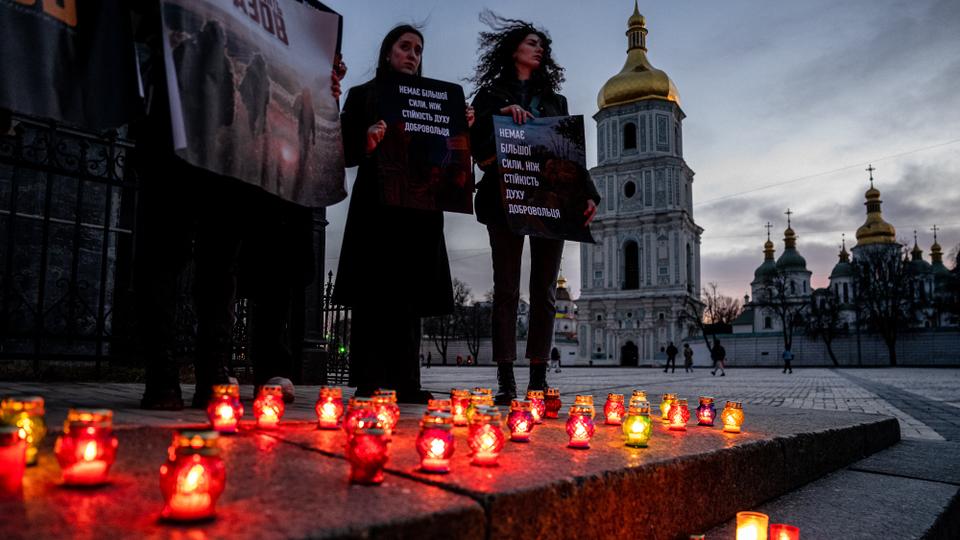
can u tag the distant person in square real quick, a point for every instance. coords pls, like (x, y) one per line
(687, 358)
(787, 360)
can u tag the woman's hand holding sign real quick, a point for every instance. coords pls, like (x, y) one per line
(375, 134)
(471, 116)
(519, 114)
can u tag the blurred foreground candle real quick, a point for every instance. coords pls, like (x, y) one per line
(193, 477)
(387, 409)
(679, 415)
(268, 408)
(368, 450)
(637, 396)
(780, 531)
(329, 407)
(638, 426)
(26, 414)
(87, 448)
(459, 401)
(520, 421)
(614, 409)
(435, 442)
(225, 410)
(732, 417)
(665, 403)
(752, 526)
(485, 437)
(538, 405)
(360, 410)
(13, 454)
(553, 403)
(580, 426)
(706, 411)
(586, 401)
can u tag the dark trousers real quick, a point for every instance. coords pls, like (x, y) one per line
(671, 362)
(384, 349)
(507, 248)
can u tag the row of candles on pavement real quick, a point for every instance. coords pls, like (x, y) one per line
(194, 475)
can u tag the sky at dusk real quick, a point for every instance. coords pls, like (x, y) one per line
(786, 104)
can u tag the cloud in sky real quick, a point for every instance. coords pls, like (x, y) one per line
(773, 92)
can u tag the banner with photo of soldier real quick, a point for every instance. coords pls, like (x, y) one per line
(71, 61)
(424, 157)
(543, 176)
(249, 84)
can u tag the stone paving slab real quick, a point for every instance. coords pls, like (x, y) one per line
(923, 460)
(620, 492)
(274, 490)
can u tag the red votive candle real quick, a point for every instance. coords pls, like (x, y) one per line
(193, 477)
(781, 531)
(13, 460)
(614, 410)
(87, 448)
(553, 403)
(459, 402)
(538, 406)
(329, 407)
(520, 421)
(485, 437)
(679, 415)
(225, 410)
(368, 451)
(387, 409)
(478, 398)
(580, 426)
(440, 405)
(360, 411)
(435, 442)
(268, 408)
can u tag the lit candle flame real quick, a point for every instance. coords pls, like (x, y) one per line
(328, 410)
(225, 411)
(636, 426)
(487, 442)
(90, 451)
(192, 480)
(747, 532)
(580, 432)
(522, 426)
(437, 448)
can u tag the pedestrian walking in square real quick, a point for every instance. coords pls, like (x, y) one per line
(687, 358)
(671, 358)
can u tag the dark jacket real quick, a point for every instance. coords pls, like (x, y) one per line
(391, 256)
(490, 99)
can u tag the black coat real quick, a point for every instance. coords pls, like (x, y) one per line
(391, 256)
(490, 99)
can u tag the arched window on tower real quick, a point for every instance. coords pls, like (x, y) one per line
(629, 136)
(631, 266)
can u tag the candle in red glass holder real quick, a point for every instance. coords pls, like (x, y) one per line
(580, 426)
(679, 415)
(27, 414)
(13, 460)
(360, 410)
(435, 442)
(781, 531)
(732, 417)
(706, 411)
(586, 401)
(485, 437)
(268, 408)
(459, 401)
(329, 407)
(387, 409)
(614, 409)
(440, 405)
(225, 410)
(193, 477)
(87, 448)
(665, 403)
(520, 421)
(483, 390)
(538, 406)
(478, 399)
(553, 403)
(368, 450)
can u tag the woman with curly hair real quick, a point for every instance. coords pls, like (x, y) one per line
(517, 76)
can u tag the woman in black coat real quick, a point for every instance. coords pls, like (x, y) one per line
(393, 262)
(517, 76)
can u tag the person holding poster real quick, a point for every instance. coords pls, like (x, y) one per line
(517, 77)
(393, 262)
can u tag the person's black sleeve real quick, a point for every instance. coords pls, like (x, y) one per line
(352, 127)
(481, 134)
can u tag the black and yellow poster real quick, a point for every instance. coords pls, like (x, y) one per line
(72, 61)
(249, 86)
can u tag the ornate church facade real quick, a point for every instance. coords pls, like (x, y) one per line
(645, 265)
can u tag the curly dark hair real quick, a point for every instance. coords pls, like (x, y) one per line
(496, 53)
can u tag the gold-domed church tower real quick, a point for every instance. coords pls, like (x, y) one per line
(875, 233)
(637, 278)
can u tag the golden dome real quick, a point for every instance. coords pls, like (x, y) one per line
(638, 80)
(875, 230)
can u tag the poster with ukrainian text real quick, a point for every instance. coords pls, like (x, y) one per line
(250, 98)
(424, 158)
(544, 181)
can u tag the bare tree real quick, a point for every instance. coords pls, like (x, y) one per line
(778, 295)
(710, 313)
(823, 320)
(884, 293)
(441, 329)
(476, 323)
